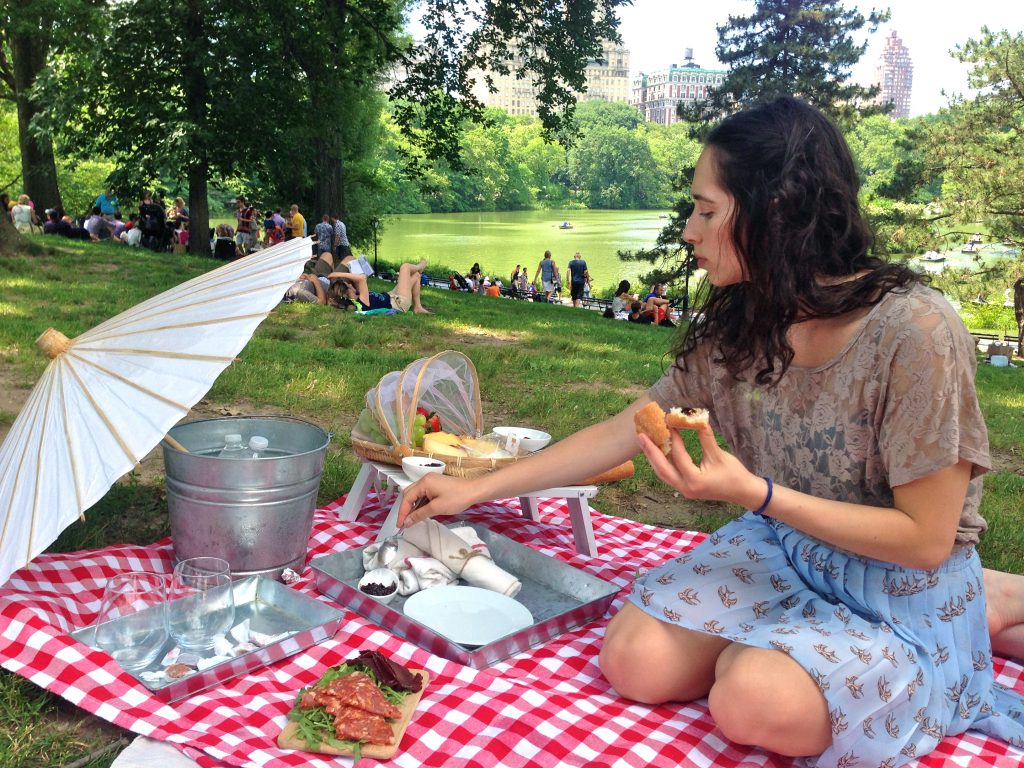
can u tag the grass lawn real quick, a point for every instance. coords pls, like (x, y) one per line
(545, 366)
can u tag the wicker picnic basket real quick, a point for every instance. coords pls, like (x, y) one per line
(445, 384)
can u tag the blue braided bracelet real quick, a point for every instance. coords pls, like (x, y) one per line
(767, 499)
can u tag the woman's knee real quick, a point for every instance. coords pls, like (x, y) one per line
(762, 697)
(652, 662)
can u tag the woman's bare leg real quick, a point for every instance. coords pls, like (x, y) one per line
(764, 698)
(756, 696)
(1004, 596)
(408, 284)
(653, 662)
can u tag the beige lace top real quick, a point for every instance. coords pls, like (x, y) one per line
(895, 405)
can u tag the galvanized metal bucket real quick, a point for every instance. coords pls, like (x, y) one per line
(256, 513)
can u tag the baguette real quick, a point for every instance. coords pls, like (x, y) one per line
(621, 472)
(650, 421)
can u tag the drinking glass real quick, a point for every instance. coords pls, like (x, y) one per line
(132, 625)
(200, 605)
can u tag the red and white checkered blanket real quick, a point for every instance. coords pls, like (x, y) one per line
(546, 707)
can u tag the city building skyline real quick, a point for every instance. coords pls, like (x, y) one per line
(894, 74)
(658, 94)
(607, 79)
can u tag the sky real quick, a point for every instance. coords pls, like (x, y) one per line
(656, 32)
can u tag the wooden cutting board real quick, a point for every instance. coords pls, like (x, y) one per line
(289, 738)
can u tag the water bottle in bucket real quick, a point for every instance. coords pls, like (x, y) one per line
(233, 448)
(258, 446)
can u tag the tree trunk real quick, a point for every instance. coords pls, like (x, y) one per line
(199, 210)
(196, 92)
(38, 169)
(328, 190)
(11, 240)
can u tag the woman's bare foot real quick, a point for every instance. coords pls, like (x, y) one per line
(1004, 595)
(421, 310)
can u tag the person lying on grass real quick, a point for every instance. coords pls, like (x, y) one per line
(349, 287)
(846, 617)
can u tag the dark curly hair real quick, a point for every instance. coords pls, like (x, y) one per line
(796, 222)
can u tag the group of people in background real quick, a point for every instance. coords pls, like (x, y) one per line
(167, 228)
(653, 309)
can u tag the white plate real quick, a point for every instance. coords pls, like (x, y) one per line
(468, 615)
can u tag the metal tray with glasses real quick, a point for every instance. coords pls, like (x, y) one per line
(559, 596)
(295, 621)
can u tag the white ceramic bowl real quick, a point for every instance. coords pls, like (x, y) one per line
(416, 467)
(530, 439)
(383, 576)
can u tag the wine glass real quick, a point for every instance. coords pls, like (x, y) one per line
(132, 625)
(201, 604)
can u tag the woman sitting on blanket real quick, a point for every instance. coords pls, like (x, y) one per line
(845, 617)
(348, 288)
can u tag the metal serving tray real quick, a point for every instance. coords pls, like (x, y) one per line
(559, 596)
(271, 609)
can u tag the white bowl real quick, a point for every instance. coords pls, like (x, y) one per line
(529, 439)
(384, 576)
(416, 467)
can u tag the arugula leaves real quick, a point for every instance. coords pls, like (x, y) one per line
(317, 727)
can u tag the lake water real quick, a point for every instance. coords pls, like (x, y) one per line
(500, 241)
(985, 255)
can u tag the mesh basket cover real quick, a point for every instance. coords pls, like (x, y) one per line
(445, 384)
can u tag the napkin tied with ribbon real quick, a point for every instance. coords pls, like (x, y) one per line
(464, 554)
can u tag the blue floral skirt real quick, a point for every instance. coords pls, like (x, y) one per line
(902, 656)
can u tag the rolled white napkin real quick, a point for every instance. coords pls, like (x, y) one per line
(423, 573)
(463, 558)
(396, 556)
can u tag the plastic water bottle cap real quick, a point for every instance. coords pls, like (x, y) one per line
(232, 439)
(258, 443)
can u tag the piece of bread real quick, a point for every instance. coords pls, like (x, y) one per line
(650, 421)
(688, 418)
(621, 472)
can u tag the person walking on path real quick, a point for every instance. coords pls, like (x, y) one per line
(579, 279)
(846, 617)
(547, 270)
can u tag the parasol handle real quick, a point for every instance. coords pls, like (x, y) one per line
(53, 342)
(175, 444)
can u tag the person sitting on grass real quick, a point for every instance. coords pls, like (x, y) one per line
(845, 617)
(623, 299)
(637, 314)
(352, 287)
(656, 303)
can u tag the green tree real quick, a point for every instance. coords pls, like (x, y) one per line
(896, 181)
(547, 44)
(613, 168)
(31, 33)
(797, 47)
(543, 163)
(673, 150)
(977, 143)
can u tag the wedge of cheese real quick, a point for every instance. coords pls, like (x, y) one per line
(442, 444)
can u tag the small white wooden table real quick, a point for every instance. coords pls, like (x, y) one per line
(374, 475)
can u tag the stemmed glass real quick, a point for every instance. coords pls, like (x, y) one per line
(201, 604)
(132, 625)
